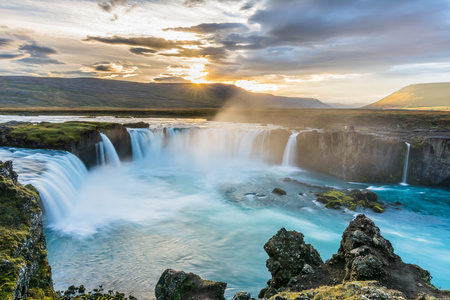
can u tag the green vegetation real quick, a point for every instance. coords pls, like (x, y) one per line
(54, 134)
(351, 200)
(418, 96)
(21, 243)
(32, 92)
(353, 290)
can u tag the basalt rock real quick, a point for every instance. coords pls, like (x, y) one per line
(187, 286)
(363, 255)
(289, 256)
(366, 255)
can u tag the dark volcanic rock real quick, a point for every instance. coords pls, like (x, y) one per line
(243, 296)
(365, 255)
(279, 191)
(289, 256)
(187, 286)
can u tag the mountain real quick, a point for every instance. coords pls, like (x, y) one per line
(417, 96)
(17, 91)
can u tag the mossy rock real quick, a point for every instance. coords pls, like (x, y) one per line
(351, 200)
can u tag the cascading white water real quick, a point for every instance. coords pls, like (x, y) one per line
(405, 168)
(58, 176)
(108, 151)
(290, 153)
(203, 146)
(100, 153)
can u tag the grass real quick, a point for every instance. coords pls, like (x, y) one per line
(54, 134)
(354, 290)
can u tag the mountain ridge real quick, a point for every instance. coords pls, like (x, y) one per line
(24, 91)
(417, 96)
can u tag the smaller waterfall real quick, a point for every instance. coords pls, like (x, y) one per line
(107, 152)
(290, 153)
(140, 141)
(100, 152)
(405, 168)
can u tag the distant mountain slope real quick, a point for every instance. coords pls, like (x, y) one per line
(18, 91)
(417, 96)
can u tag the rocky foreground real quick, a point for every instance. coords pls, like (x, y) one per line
(365, 267)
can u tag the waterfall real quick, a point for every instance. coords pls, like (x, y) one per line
(290, 153)
(107, 152)
(140, 141)
(405, 168)
(57, 175)
(199, 145)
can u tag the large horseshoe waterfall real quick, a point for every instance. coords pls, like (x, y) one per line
(190, 195)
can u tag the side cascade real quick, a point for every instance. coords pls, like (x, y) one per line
(290, 153)
(106, 153)
(57, 175)
(405, 168)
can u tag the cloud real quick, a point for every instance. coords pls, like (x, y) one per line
(106, 69)
(209, 28)
(8, 56)
(109, 5)
(150, 42)
(5, 42)
(142, 51)
(37, 54)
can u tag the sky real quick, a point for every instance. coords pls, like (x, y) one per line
(337, 51)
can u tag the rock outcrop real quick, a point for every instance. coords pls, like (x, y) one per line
(187, 286)
(289, 256)
(24, 269)
(363, 255)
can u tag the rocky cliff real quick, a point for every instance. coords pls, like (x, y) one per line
(429, 162)
(367, 157)
(24, 269)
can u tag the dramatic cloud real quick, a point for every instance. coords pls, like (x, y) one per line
(150, 42)
(5, 42)
(11, 56)
(209, 28)
(107, 69)
(109, 5)
(142, 51)
(38, 54)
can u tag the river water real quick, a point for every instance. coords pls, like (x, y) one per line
(197, 197)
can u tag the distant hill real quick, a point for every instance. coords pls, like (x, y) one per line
(417, 96)
(19, 92)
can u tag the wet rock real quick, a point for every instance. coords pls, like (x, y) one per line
(137, 125)
(289, 256)
(242, 296)
(279, 191)
(6, 170)
(187, 286)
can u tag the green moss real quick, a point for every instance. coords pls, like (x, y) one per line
(17, 204)
(351, 200)
(55, 134)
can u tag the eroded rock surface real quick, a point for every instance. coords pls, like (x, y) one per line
(187, 286)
